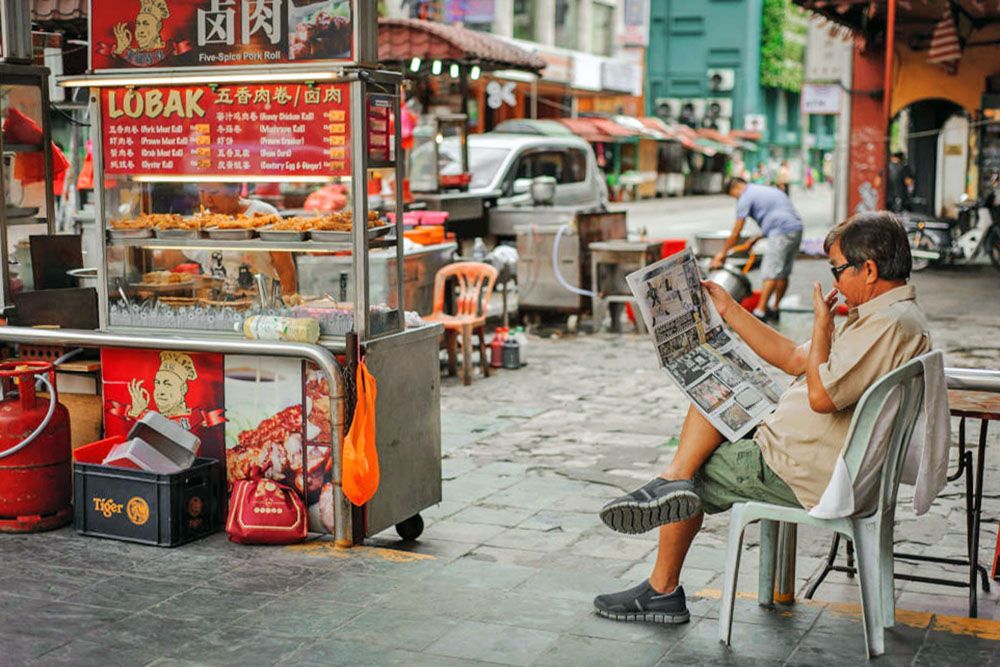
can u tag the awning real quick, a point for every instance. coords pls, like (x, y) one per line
(615, 130)
(58, 10)
(401, 40)
(583, 127)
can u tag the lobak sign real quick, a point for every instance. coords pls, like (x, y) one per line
(240, 130)
(208, 33)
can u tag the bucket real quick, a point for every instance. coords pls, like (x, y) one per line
(734, 282)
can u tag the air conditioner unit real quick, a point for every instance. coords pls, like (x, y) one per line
(668, 108)
(693, 106)
(721, 80)
(718, 107)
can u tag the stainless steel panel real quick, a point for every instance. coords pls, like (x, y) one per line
(504, 220)
(407, 425)
(460, 207)
(537, 286)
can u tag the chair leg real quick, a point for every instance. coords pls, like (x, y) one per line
(481, 332)
(887, 573)
(451, 341)
(866, 544)
(768, 562)
(467, 355)
(733, 548)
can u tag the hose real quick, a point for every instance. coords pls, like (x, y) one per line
(555, 265)
(41, 427)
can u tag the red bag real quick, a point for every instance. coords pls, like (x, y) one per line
(261, 511)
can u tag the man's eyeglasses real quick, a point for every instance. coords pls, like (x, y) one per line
(837, 270)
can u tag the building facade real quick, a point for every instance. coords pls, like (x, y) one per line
(735, 65)
(594, 50)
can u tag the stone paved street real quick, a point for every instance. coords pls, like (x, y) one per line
(510, 560)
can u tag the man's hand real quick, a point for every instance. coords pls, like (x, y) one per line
(723, 301)
(718, 261)
(823, 307)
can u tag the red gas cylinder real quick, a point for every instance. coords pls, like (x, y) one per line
(35, 478)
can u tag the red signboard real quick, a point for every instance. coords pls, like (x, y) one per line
(210, 33)
(239, 130)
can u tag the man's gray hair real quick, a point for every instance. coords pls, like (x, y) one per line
(878, 236)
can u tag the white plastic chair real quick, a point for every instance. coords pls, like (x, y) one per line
(899, 393)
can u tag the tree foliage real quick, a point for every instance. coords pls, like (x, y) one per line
(782, 59)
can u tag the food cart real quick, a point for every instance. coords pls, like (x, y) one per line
(192, 103)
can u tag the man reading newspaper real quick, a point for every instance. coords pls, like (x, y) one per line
(789, 458)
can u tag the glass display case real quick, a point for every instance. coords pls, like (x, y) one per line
(26, 184)
(225, 201)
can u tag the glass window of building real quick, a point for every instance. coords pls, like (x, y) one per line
(524, 19)
(602, 28)
(567, 23)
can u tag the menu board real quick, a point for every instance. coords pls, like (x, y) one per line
(241, 130)
(212, 33)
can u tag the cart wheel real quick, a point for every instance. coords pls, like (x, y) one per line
(411, 528)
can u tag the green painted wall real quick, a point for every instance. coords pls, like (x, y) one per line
(689, 37)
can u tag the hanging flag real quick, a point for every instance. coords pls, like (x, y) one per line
(946, 48)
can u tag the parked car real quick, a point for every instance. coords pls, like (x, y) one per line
(506, 163)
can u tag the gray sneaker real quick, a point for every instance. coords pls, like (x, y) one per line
(643, 603)
(658, 502)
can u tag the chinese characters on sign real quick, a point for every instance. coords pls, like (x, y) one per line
(192, 33)
(254, 130)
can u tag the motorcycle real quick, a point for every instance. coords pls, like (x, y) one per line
(961, 240)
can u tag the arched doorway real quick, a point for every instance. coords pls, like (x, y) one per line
(930, 133)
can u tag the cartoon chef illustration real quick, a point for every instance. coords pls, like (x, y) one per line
(143, 45)
(170, 388)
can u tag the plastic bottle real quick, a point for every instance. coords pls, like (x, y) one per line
(522, 340)
(272, 327)
(478, 249)
(496, 348)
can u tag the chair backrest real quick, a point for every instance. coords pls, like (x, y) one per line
(475, 287)
(882, 427)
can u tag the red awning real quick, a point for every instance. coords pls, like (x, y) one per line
(58, 10)
(400, 40)
(583, 127)
(610, 127)
(748, 135)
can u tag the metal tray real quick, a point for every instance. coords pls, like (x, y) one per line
(229, 234)
(281, 234)
(142, 233)
(337, 237)
(177, 233)
(18, 212)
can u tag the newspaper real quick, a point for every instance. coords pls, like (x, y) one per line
(723, 377)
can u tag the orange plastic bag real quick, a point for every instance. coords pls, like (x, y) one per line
(360, 458)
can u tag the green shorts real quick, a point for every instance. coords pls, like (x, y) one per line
(737, 473)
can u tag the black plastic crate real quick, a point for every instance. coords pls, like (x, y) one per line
(147, 507)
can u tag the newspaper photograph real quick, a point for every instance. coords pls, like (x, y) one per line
(701, 354)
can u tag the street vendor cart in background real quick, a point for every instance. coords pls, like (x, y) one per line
(210, 101)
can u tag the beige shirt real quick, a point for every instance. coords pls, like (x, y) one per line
(800, 445)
